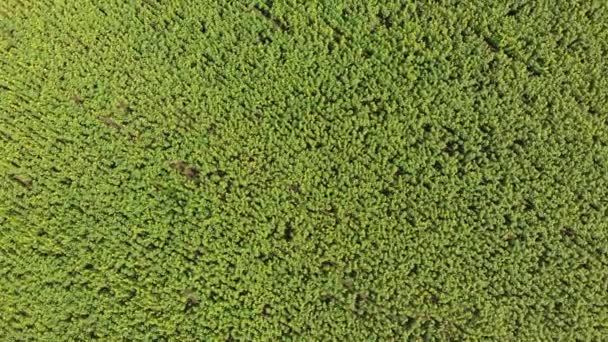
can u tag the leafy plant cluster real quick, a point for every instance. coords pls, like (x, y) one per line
(303, 170)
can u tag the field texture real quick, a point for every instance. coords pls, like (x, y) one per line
(303, 170)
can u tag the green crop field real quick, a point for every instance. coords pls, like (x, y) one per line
(321, 170)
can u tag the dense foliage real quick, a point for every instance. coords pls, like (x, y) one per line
(306, 170)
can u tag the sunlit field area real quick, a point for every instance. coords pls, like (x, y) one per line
(323, 170)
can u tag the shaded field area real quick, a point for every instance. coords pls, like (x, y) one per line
(303, 170)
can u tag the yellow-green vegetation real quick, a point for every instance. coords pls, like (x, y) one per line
(318, 170)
